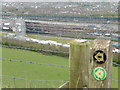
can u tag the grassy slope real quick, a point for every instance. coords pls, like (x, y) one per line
(34, 71)
(115, 77)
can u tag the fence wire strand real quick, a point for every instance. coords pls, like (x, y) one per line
(116, 64)
(34, 62)
(14, 82)
(41, 50)
(12, 77)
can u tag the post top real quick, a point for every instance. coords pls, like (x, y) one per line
(80, 40)
(101, 43)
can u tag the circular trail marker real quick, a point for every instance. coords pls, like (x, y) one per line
(99, 57)
(99, 73)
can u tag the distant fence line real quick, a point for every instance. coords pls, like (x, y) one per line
(33, 49)
(114, 63)
(37, 50)
(34, 62)
(12, 77)
(29, 83)
(116, 80)
(66, 54)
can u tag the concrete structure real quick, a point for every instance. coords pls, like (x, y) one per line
(20, 28)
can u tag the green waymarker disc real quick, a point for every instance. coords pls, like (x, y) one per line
(99, 73)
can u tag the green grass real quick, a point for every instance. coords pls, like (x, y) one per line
(35, 71)
(2, 33)
(115, 77)
(32, 56)
(32, 71)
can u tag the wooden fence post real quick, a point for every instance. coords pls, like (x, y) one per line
(79, 56)
(101, 64)
(90, 68)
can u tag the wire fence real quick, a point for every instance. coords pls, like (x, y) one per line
(23, 61)
(42, 83)
(12, 77)
(65, 54)
(33, 49)
(114, 63)
(49, 65)
(34, 83)
(116, 80)
(41, 50)
(12, 81)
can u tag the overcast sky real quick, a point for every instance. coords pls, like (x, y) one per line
(60, 0)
